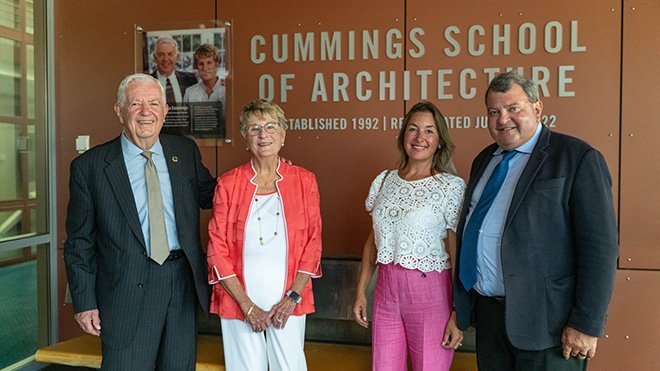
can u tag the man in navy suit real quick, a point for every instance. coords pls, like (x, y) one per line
(536, 274)
(143, 308)
(166, 55)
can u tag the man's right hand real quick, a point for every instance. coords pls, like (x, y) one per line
(89, 321)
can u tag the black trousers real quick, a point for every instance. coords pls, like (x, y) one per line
(166, 336)
(495, 352)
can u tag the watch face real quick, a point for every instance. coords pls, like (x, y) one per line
(294, 296)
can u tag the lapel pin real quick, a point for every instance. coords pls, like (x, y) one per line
(175, 159)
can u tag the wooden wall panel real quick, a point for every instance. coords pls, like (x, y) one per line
(344, 161)
(640, 170)
(632, 335)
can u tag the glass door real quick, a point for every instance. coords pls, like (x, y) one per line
(26, 241)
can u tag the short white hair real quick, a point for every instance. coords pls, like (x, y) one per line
(166, 40)
(121, 92)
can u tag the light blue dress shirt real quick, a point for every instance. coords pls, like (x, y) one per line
(135, 166)
(489, 264)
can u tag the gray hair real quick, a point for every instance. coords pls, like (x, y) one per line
(260, 108)
(140, 77)
(504, 81)
(166, 40)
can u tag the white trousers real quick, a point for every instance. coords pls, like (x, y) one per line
(274, 350)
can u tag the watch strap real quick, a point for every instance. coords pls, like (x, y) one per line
(294, 296)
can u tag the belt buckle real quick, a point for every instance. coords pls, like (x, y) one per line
(499, 299)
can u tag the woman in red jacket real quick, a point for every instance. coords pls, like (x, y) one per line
(265, 245)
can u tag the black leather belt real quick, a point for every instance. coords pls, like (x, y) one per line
(174, 255)
(498, 299)
(501, 300)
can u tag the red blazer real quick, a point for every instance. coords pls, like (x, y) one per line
(302, 215)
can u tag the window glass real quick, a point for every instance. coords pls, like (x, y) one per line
(23, 196)
(19, 333)
(29, 16)
(29, 72)
(25, 269)
(10, 14)
(10, 223)
(10, 77)
(9, 162)
(196, 41)
(32, 165)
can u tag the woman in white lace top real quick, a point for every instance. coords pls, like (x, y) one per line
(415, 211)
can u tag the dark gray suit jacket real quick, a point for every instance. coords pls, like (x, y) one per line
(105, 252)
(559, 245)
(185, 79)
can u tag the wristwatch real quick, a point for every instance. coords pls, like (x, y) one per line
(294, 296)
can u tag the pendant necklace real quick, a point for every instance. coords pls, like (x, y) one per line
(277, 220)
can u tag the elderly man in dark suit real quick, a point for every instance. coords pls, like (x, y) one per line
(536, 241)
(133, 256)
(175, 83)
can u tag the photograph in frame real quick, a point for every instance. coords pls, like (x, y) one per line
(192, 65)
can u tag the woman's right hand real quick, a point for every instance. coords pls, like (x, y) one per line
(360, 310)
(257, 318)
(367, 269)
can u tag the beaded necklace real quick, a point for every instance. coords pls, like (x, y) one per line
(277, 220)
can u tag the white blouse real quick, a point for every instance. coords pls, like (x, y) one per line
(411, 218)
(264, 265)
(197, 93)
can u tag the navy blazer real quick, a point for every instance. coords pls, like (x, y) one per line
(105, 252)
(559, 245)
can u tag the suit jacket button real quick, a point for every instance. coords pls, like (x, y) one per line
(144, 253)
(140, 285)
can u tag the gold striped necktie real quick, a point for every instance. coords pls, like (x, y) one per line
(157, 232)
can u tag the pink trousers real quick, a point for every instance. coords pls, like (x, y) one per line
(411, 310)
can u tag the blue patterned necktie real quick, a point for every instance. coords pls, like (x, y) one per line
(468, 265)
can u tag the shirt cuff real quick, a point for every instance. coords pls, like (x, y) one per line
(215, 277)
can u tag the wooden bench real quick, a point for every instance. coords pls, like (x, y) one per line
(85, 351)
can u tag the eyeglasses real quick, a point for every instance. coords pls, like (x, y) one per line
(269, 128)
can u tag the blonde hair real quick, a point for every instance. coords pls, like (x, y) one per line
(261, 108)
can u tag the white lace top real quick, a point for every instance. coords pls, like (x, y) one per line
(411, 218)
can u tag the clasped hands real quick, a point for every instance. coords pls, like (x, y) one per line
(278, 316)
